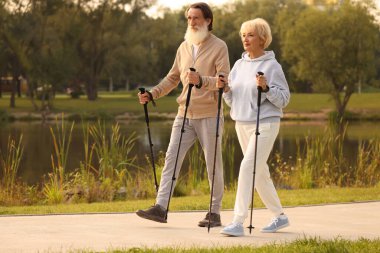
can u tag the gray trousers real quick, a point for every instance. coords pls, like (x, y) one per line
(205, 131)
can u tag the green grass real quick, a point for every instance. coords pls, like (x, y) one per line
(309, 103)
(117, 103)
(315, 245)
(288, 198)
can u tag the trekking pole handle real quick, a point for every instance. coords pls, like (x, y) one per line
(221, 89)
(198, 86)
(259, 89)
(142, 91)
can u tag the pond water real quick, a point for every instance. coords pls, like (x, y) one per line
(38, 145)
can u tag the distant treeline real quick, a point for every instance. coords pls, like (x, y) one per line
(62, 44)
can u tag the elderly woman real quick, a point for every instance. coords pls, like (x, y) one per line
(241, 95)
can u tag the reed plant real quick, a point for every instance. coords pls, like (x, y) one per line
(196, 180)
(322, 162)
(58, 179)
(228, 153)
(114, 155)
(10, 163)
(367, 171)
(142, 185)
(84, 180)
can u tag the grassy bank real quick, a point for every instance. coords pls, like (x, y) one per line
(288, 198)
(315, 245)
(110, 105)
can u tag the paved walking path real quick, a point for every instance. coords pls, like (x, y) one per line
(60, 233)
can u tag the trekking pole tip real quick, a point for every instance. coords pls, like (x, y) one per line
(250, 228)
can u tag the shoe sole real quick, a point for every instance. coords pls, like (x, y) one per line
(275, 230)
(231, 234)
(212, 225)
(144, 215)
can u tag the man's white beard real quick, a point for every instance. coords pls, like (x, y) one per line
(196, 36)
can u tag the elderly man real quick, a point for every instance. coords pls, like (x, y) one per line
(208, 55)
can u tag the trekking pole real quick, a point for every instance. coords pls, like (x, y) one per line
(142, 91)
(179, 144)
(220, 93)
(259, 90)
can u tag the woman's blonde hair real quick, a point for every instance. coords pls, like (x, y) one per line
(261, 27)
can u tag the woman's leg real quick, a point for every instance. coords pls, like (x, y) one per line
(263, 182)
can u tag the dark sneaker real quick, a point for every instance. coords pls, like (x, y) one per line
(155, 213)
(214, 222)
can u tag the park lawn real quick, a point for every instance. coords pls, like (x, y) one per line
(119, 103)
(315, 245)
(289, 198)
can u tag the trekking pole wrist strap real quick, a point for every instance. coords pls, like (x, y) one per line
(151, 97)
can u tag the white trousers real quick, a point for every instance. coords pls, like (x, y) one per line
(263, 183)
(205, 131)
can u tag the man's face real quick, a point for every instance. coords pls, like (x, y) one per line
(195, 19)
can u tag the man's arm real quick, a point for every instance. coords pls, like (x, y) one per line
(222, 65)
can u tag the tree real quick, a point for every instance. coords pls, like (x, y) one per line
(13, 44)
(334, 48)
(286, 18)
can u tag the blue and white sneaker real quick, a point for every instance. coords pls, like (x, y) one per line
(277, 223)
(233, 229)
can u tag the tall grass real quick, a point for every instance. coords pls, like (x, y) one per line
(196, 181)
(108, 170)
(10, 163)
(113, 152)
(322, 163)
(228, 153)
(57, 183)
(367, 164)
(197, 178)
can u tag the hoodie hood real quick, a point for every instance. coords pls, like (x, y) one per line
(268, 55)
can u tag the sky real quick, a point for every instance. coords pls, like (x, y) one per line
(177, 4)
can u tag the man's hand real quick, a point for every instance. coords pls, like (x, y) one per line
(193, 77)
(221, 82)
(143, 98)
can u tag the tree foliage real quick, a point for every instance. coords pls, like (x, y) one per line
(334, 48)
(88, 44)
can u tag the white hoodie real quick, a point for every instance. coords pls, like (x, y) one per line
(242, 98)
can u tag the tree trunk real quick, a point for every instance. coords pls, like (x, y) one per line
(12, 103)
(18, 87)
(92, 91)
(111, 85)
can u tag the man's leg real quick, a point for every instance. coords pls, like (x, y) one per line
(188, 139)
(158, 212)
(206, 132)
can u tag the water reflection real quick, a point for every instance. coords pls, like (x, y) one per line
(38, 145)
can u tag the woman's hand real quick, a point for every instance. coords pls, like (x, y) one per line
(261, 81)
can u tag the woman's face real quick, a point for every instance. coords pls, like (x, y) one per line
(251, 41)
